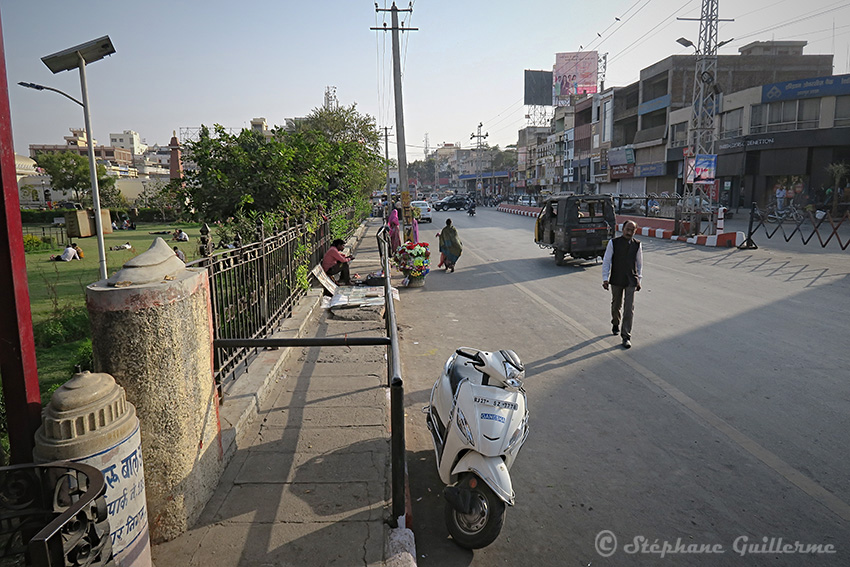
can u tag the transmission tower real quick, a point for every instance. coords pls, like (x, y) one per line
(705, 97)
(331, 101)
(478, 137)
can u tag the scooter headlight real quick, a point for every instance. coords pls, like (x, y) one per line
(463, 426)
(514, 376)
(519, 435)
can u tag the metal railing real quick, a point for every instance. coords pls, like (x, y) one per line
(253, 287)
(57, 234)
(806, 223)
(394, 377)
(54, 514)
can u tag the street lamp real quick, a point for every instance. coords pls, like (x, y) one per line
(685, 42)
(76, 58)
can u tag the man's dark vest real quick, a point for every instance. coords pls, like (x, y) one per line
(624, 262)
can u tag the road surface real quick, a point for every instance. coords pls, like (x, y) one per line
(724, 428)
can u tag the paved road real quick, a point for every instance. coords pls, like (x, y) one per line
(728, 418)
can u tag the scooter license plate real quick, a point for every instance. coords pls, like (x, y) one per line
(497, 403)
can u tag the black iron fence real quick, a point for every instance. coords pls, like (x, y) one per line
(54, 514)
(255, 286)
(792, 222)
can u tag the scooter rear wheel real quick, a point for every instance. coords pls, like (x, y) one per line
(482, 527)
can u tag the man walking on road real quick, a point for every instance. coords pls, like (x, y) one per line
(622, 270)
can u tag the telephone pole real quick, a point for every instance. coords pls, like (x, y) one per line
(478, 137)
(399, 105)
(387, 160)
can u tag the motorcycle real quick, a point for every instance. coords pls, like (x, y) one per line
(478, 421)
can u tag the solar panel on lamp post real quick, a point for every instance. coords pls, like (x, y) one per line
(78, 57)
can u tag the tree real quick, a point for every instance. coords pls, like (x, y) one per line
(168, 198)
(70, 172)
(331, 158)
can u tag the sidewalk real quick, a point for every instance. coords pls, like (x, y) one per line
(309, 479)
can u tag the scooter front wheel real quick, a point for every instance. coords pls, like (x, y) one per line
(481, 527)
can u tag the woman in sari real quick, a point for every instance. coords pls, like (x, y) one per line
(395, 237)
(450, 245)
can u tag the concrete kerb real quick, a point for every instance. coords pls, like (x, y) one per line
(724, 239)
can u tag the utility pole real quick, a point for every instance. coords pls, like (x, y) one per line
(399, 105)
(427, 148)
(478, 137)
(387, 160)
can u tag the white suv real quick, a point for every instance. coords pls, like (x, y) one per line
(424, 210)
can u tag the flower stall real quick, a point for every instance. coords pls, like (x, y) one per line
(412, 258)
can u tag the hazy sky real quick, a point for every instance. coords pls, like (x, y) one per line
(182, 64)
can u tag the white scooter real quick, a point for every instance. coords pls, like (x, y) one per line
(478, 421)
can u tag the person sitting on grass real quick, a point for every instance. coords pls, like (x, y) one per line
(335, 262)
(180, 236)
(79, 250)
(69, 254)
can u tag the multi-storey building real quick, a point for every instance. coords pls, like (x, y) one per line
(642, 111)
(782, 134)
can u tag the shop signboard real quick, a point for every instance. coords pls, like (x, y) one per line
(622, 171)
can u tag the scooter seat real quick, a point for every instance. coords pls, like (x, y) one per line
(461, 371)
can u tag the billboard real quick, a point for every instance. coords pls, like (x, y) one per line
(701, 170)
(574, 73)
(538, 85)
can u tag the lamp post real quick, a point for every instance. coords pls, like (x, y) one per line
(76, 58)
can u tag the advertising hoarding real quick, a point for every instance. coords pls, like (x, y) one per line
(574, 73)
(538, 85)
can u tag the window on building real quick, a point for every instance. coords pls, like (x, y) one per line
(731, 123)
(784, 115)
(679, 135)
(842, 111)
(607, 120)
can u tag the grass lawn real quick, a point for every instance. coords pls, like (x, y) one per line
(56, 286)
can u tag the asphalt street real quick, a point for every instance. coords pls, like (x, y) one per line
(722, 431)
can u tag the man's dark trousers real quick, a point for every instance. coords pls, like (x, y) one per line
(619, 293)
(341, 268)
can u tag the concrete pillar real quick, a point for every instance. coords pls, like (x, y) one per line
(152, 330)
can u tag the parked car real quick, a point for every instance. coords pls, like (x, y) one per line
(456, 202)
(424, 210)
(629, 204)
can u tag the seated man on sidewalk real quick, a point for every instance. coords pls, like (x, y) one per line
(335, 262)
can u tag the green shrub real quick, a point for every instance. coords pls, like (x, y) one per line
(84, 358)
(33, 243)
(69, 325)
(48, 333)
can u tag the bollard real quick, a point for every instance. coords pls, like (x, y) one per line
(721, 217)
(89, 421)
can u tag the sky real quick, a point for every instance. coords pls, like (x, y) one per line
(183, 64)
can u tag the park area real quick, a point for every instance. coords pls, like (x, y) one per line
(57, 294)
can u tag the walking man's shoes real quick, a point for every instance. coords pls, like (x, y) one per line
(615, 330)
(627, 343)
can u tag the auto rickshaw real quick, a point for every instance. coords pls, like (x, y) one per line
(578, 226)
